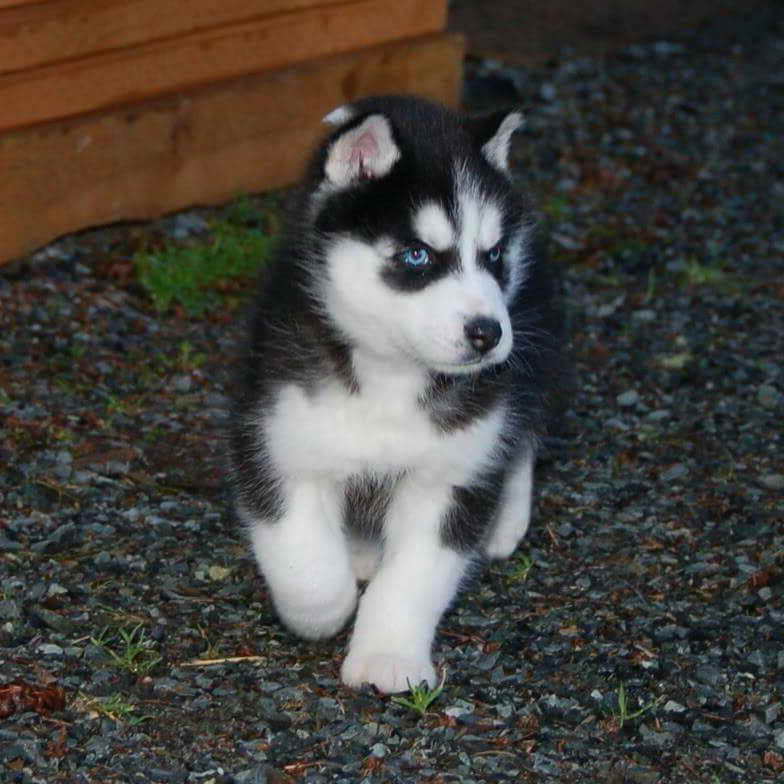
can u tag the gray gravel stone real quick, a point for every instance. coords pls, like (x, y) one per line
(768, 396)
(10, 610)
(778, 738)
(50, 649)
(627, 399)
(64, 536)
(543, 765)
(772, 481)
(182, 383)
(256, 775)
(459, 708)
(53, 620)
(772, 712)
(708, 674)
(673, 707)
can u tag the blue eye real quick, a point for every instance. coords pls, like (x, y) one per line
(415, 257)
(494, 254)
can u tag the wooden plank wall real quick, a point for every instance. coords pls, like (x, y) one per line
(127, 109)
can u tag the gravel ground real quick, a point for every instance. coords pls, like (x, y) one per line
(637, 636)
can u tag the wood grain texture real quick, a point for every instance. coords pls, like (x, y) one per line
(51, 31)
(16, 3)
(202, 146)
(128, 75)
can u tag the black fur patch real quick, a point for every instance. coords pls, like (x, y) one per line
(256, 485)
(472, 512)
(454, 402)
(366, 500)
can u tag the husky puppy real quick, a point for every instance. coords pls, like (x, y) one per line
(389, 403)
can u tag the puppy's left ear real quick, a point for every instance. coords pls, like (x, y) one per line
(492, 135)
(365, 151)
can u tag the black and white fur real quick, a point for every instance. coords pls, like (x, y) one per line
(393, 390)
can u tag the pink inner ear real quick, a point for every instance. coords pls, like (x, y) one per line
(363, 151)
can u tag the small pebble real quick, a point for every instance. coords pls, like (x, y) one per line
(677, 471)
(708, 674)
(628, 398)
(673, 707)
(565, 529)
(778, 738)
(768, 396)
(459, 708)
(772, 712)
(183, 383)
(772, 481)
(49, 649)
(645, 315)
(218, 573)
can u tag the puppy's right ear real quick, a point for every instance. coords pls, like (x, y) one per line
(365, 152)
(493, 134)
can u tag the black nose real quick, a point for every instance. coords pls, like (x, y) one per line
(483, 333)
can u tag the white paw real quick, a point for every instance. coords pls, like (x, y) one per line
(503, 543)
(321, 617)
(388, 672)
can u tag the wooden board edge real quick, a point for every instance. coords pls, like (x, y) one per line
(204, 146)
(269, 42)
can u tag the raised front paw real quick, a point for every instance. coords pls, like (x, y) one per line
(388, 672)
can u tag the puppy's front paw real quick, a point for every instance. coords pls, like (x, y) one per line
(388, 672)
(506, 536)
(321, 616)
(503, 544)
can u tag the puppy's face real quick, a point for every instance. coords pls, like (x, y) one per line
(423, 255)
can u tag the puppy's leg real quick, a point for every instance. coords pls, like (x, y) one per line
(417, 579)
(514, 512)
(304, 557)
(365, 558)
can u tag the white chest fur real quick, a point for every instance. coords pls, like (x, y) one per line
(380, 429)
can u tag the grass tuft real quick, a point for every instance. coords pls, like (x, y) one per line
(198, 275)
(130, 650)
(421, 697)
(521, 568)
(114, 707)
(624, 712)
(695, 273)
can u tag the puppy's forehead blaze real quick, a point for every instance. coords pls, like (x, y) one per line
(433, 226)
(490, 228)
(479, 223)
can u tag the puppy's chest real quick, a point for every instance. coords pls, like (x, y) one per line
(383, 429)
